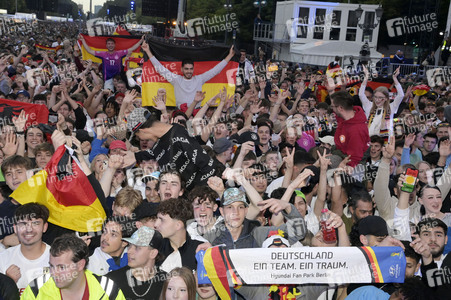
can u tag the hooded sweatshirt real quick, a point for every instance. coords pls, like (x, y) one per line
(352, 137)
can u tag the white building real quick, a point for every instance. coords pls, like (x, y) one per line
(314, 32)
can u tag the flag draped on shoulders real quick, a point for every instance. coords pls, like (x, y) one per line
(98, 43)
(66, 191)
(171, 56)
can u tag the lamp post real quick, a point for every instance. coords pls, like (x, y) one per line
(257, 24)
(367, 28)
(228, 7)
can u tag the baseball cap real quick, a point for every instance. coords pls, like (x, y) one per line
(118, 145)
(373, 225)
(136, 119)
(146, 236)
(119, 95)
(144, 210)
(233, 195)
(246, 137)
(23, 92)
(328, 139)
(221, 145)
(275, 240)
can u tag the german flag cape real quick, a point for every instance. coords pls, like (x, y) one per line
(170, 56)
(98, 43)
(66, 191)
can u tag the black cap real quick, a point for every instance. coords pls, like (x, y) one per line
(373, 225)
(246, 137)
(144, 210)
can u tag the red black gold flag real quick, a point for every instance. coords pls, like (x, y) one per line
(98, 43)
(170, 56)
(66, 191)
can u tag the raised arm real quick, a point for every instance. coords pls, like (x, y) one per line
(400, 93)
(134, 47)
(87, 48)
(366, 104)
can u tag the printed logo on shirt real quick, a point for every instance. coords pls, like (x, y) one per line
(342, 138)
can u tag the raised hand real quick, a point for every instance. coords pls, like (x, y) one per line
(445, 148)
(11, 144)
(408, 141)
(20, 121)
(299, 182)
(115, 162)
(199, 97)
(389, 150)
(324, 162)
(129, 96)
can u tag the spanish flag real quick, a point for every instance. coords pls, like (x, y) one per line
(170, 56)
(98, 43)
(66, 191)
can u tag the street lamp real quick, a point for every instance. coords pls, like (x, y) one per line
(365, 26)
(259, 4)
(367, 30)
(228, 7)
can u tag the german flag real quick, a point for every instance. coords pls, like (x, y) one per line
(373, 264)
(98, 43)
(170, 56)
(66, 191)
(42, 47)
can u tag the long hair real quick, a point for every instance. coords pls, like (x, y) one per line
(188, 278)
(383, 90)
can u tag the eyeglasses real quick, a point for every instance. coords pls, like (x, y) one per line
(23, 225)
(379, 98)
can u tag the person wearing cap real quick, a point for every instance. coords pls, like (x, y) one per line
(117, 148)
(142, 278)
(240, 232)
(23, 96)
(119, 97)
(112, 253)
(327, 141)
(186, 86)
(177, 246)
(69, 278)
(372, 231)
(174, 148)
(151, 191)
(223, 150)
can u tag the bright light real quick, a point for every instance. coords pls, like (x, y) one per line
(441, 33)
(174, 23)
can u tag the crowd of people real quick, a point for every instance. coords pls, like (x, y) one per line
(256, 168)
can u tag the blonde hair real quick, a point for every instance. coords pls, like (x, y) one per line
(383, 90)
(128, 197)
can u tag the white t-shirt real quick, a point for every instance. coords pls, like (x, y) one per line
(29, 269)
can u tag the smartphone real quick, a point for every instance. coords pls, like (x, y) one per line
(409, 184)
(53, 118)
(307, 181)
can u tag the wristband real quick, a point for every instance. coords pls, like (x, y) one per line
(20, 132)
